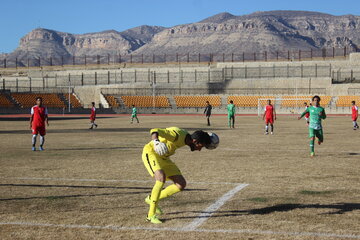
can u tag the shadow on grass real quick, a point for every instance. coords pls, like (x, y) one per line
(94, 148)
(148, 190)
(99, 129)
(340, 208)
(70, 186)
(354, 154)
(71, 196)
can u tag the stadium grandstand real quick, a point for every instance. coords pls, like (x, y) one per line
(165, 88)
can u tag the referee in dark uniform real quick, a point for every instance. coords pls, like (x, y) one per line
(207, 112)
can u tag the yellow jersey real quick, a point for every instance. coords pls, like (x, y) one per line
(173, 137)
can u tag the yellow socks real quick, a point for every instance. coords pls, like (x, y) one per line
(155, 193)
(168, 191)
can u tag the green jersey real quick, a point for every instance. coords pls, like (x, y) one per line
(316, 115)
(231, 109)
(134, 111)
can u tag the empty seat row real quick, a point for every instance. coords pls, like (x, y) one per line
(197, 101)
(215, 101)
(5, 102)
(146, 101)
(27, 100)
(285, 101)
(112, 101)
(345, 101)
(249, 101)
(74, 101)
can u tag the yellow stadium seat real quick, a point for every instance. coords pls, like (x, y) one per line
(27, 100)
(146, 101)
(5, 102)
(197, 101)
(345, 101)
(249, 101)
(111, 100)
(75, 103)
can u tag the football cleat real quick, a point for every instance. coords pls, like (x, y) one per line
(154, 219)
(33, 148)
(41, 148)
(158, 210)
(312, 154)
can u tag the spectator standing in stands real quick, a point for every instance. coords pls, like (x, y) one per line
(207, 112)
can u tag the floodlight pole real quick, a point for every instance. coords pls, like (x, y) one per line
(153, 91)
(69, 93)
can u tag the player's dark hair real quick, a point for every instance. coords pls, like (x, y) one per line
(231, 101)
(39, 98)
(316, 96)
(353, 102)
(93, 103)
(207, 101)
(201, 137)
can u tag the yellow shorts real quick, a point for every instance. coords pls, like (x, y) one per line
(154, 162)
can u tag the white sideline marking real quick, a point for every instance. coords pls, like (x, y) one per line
(213, 207)
(108, 180)
(119, 228)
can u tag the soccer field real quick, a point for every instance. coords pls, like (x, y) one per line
(91, 184)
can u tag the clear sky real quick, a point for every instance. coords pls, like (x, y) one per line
(18, 17)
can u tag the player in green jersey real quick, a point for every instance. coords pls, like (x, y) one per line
(134, 114)
(231, 114)
(317, 113)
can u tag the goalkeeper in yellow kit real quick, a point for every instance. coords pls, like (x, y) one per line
(156, 157)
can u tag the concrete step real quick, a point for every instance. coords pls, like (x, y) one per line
(12, 100)
(172, 102)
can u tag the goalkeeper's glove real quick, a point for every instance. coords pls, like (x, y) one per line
(160, 148)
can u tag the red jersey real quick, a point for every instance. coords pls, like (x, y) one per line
(39, 114)
(93, 113)
(269, 111)
(354, 112)
(307, 115)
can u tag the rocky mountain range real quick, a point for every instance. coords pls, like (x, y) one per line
(222, 33)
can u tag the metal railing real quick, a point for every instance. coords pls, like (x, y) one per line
(288, 55)
(211, 91)
(345, 76)
(279, 71)
(205, 75)
(354, 91)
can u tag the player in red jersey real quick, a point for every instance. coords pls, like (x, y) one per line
(269, 117)
(354, 114)
(307, 115)
(39, 115)
(93, 116)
